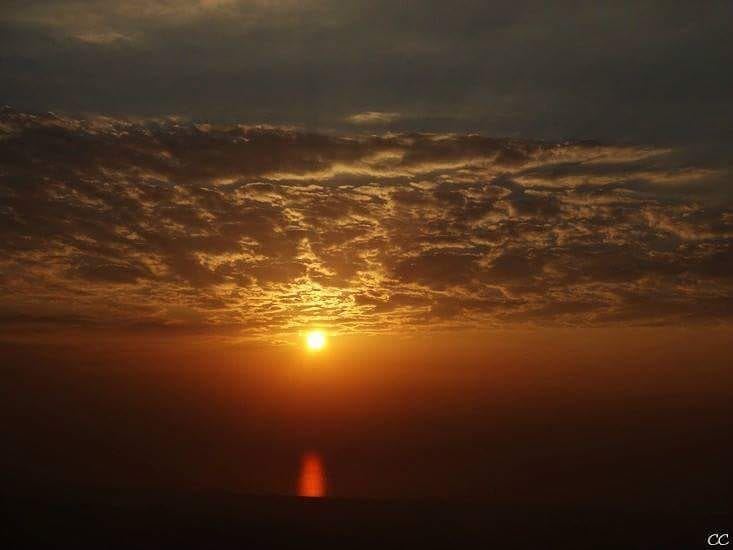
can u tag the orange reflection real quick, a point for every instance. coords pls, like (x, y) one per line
(312, 482)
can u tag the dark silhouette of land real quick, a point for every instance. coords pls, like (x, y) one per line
(217, 520)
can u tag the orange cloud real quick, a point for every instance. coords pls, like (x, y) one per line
(259, 231)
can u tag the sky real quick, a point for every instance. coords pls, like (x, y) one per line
(513, 221)
(650, 71)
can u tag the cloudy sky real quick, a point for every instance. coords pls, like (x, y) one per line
(652, 71)
(260, 230)
(500, 212)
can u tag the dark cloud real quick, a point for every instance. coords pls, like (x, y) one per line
(96, 269)
(653, 71)
(438, 269)
(162, 223)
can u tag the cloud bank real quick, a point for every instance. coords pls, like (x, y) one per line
(162, 224)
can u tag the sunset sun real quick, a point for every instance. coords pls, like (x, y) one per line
(315, 340)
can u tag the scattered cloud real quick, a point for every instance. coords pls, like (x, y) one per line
(172, 225)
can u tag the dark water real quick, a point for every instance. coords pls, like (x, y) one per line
(110, 519)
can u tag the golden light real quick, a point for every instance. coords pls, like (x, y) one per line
(316, 340)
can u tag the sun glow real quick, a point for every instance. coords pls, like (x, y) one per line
(316, 340)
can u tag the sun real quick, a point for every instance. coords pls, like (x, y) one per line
(316, 340)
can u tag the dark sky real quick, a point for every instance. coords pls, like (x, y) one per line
(651, 71)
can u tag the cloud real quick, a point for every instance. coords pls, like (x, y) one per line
(252, 230)
(102, 37)
(373, 118)
(657, 75)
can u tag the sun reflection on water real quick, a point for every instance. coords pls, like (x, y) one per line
(312, 480)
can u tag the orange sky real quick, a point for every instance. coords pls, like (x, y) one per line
(503, 413)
